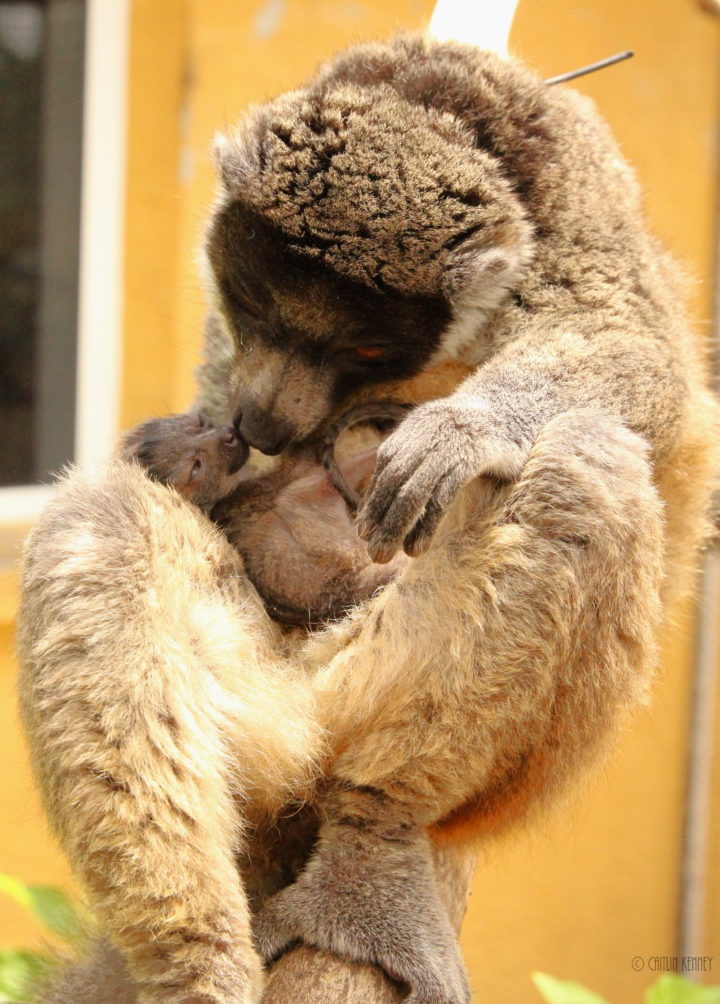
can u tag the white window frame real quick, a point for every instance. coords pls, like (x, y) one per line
(100, 293)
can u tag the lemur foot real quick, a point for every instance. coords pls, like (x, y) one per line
(368, 893)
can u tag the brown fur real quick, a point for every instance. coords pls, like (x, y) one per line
(448, 208)
(199, 460)
(291, 526)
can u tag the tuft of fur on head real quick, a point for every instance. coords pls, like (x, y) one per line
(386, 193)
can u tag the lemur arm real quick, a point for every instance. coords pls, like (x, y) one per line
(488, 426)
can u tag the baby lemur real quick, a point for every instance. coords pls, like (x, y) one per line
(201, 461)
(291, 525)
(433, 224)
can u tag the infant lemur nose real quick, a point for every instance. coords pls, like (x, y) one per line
(228, 434)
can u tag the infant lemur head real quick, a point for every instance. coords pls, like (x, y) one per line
(352, 230)
(198, 459)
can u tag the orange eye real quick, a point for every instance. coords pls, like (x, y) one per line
(370, 352)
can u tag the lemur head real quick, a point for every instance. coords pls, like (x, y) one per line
(198, 459)
(353, 235)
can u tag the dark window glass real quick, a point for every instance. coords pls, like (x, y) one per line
(41, 79)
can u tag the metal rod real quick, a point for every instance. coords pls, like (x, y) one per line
(591, 68)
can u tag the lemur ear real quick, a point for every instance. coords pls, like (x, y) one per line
(131, 442)
(478, 278)
(234, 158)
(476, 281)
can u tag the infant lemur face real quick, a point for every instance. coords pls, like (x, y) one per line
(199, 460)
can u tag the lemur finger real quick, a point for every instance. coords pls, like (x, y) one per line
(433, 970)
(443, 996)
(421, 535)
(407, 472)
(405, 449)
(423, 436)
(406, 505)
(384, 488)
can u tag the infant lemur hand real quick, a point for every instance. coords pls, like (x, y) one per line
(368, 893)
(438, 449)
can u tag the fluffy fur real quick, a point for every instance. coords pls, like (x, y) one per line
(146, 733)
(481, 236)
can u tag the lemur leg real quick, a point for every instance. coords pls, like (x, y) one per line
(100, 977)
(135, 617)
(438, 711)
(369, 893)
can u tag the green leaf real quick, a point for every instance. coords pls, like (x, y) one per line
(16, 890)
(20, 973)
(57, 912)
(672, 989)
(564, 991)
(50, 905)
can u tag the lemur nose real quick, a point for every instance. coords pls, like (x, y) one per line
(268, 435)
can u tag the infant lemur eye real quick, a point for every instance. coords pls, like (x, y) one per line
(195, 469)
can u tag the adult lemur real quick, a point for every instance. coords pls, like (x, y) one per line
(426, 222)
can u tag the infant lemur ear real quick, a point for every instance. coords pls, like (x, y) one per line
(132, 443)
(487, 261)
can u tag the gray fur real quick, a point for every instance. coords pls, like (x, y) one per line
(428, 223)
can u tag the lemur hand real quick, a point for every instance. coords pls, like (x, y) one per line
(368, 893)
(436, 450)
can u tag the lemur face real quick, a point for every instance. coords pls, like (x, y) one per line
(199, 460)
(306, 337)
(352, 230)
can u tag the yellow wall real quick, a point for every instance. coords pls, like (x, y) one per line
(600, 885)
(596, 885)
(26, 849)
